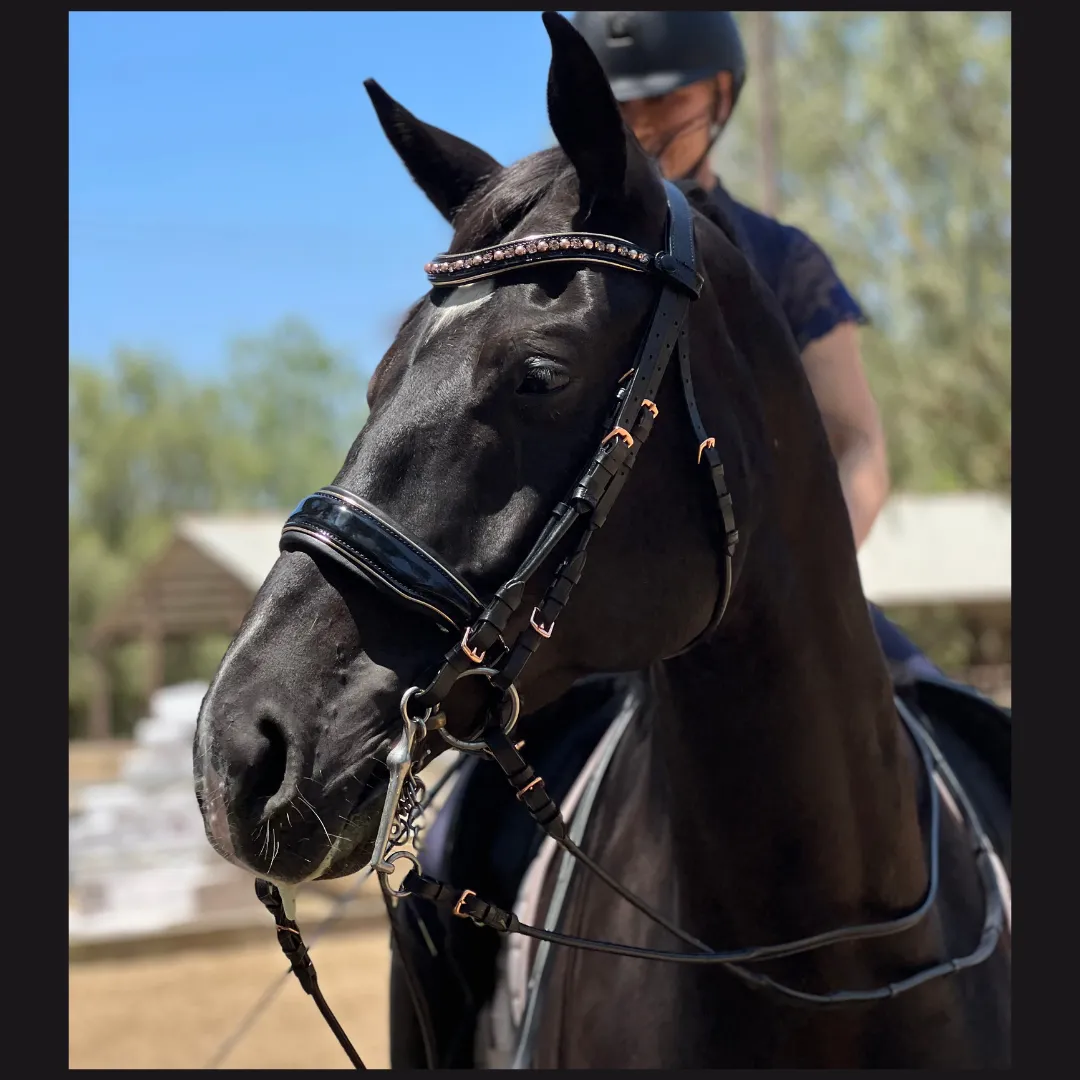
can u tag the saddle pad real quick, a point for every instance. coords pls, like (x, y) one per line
(500, 1020)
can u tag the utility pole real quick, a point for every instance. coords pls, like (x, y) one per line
(764, 75)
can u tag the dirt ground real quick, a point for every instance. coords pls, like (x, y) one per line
(173, 1011)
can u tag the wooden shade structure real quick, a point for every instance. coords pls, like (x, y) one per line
(202, 582)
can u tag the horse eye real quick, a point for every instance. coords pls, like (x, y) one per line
(543, 377)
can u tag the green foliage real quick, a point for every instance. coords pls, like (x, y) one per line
(147, 443)
(896, 156)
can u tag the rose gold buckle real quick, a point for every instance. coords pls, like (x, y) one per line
(708, 444)
(622, 433)
(647, 404)
(461, 900)
(529, 786)
(476, 658)
(538, 627)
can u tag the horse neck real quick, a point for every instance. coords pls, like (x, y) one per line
(790, 787)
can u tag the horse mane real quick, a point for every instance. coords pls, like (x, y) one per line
(699, 199)
(502, 201)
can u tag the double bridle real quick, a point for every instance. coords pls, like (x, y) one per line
(334, 523)
(366, 541)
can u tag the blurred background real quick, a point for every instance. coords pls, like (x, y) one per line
(242, 244)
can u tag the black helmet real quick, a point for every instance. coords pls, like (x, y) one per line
(650, 53)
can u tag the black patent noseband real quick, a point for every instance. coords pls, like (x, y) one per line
(368, 542)
(362, 538)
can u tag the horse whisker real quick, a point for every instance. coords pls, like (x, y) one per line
(277, 848)
(316, 813)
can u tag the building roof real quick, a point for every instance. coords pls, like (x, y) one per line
(926, 549)
(245, 545)
(203, 581)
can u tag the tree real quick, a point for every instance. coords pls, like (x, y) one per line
(295, 407)
(147, 443)
(896, 155)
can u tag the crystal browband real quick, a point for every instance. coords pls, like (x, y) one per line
(560, 247)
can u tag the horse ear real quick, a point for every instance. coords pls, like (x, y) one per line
(610, 164)
(447, 169)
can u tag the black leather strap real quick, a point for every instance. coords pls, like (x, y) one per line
(463, 902)
(529, 787)
(709, 454)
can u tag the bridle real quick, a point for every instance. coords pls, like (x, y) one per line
(367, 542)
(337, 524)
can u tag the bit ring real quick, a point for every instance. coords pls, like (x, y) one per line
(399, 893)
(421, 720)
(478, 746)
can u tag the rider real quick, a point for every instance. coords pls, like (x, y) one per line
(677, 76)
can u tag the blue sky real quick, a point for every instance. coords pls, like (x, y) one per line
(227, 169)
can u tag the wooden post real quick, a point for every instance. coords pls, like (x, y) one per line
(764, 48)
(154, 641)
(99, 722)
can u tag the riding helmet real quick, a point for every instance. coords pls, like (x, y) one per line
(650, 53)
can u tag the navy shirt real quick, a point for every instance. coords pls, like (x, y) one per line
(800, 274)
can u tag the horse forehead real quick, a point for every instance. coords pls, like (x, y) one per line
(517, 305)
(458, 302)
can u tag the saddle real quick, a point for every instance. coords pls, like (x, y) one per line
(975, 735)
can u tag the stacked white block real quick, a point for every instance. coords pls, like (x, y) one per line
(139, 861)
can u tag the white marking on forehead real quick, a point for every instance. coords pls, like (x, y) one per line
(461, 300)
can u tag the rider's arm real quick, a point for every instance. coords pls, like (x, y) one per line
(834, 367)
(824, 318)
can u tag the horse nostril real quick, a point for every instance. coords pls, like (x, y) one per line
(268, 772)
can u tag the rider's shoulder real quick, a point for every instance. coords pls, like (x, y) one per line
(797, 269)
(769, 243)
(777, 235)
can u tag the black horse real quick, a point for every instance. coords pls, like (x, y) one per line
(763, 788)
